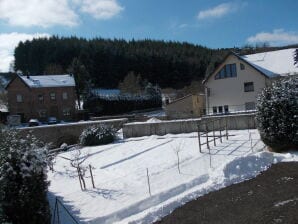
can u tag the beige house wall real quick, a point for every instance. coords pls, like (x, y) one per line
(187, 107)
(230, 91)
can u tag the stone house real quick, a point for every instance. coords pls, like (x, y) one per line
(190, 106)
(42, 96)
(235, 84)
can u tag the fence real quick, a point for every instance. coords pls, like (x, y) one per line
(57, 211)
(231, 109)
(222, 126)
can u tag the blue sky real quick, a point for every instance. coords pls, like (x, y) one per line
(212, 23)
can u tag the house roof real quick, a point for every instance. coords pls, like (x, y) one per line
(278, 62)
(184, 97)
(269, 64)
(48, 81)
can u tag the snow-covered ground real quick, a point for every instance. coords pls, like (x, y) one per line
(120, 173)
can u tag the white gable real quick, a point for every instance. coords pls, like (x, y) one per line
(274, 62)
(48, 80)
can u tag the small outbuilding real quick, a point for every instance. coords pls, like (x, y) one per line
(190, 106)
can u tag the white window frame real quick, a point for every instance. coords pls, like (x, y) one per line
(65, 96)
(20, 98)
(52, 95)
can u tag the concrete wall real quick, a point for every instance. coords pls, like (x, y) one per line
(67, 133)
(234, 122)
(230, 91)
(139, 129)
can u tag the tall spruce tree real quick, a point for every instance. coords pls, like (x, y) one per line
(81, 77)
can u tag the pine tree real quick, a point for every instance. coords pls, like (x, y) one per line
(81, 77)
(23, 184)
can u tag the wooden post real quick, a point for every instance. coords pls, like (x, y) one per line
(209, 158)
(199, 138)
(250, 142)
(79, 176)
(214, 140)
(206, 129)
(82, 178)
(227, 134)
(148, 181)
(90, 169)
(219, 125)
(178, 161)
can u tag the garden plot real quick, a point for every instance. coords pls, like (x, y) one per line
(122, 193)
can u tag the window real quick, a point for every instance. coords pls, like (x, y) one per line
(229, 70)
(248, 87)
(64, 96)
(66, 112)
(215, 110)
(250, 106)
(226, 108)
(19, 98)
(40, 98)
(42, 113)
(242, 66)
(53, 96)
(220, 109)
(208, 91)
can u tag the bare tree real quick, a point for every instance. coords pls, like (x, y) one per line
(76, 161)
(178, 148)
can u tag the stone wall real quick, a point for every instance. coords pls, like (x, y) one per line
(67, 133)
(234, 122)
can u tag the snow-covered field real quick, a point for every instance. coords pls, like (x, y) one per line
(120, 173)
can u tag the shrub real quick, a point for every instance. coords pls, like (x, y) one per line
(277, 115)
(23, 182)
(97, 135)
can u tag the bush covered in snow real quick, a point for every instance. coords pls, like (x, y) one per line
(277, 115)
(23, 179)
(97, 135)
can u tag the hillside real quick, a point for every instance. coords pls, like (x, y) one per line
(105, 62)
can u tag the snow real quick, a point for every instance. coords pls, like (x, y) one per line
(105, 92)
(153, 120)
(276, 62)
(121, 194)
(282, 203)
(48, 80)
(3, 107)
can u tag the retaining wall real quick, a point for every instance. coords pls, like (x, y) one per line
(234, 122)
(67, 133)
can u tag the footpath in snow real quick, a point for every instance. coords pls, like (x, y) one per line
(120, 173)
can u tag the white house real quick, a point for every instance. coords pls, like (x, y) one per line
(234, 85)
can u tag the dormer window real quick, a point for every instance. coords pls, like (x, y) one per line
(228, 71)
